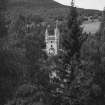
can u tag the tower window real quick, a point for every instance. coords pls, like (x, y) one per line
(51, 46)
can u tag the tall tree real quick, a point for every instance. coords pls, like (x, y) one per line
(72, 40)
(102, 27)
(3, 8)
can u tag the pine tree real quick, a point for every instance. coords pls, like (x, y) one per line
(102, 27)
(99, 78)
(72, 40)
(3, 8)
(5, 88)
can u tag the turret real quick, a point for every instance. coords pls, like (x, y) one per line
(56, 31)
(46, 35)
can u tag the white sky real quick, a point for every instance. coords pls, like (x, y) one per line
(87, 4)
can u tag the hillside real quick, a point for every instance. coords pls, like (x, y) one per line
(35, 3)
(48, 9)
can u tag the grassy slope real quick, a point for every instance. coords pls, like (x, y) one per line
(48, 9)
(44, 7)
(91, 27)
(35, 4)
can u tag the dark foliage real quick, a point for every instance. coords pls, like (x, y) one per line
(3, 24)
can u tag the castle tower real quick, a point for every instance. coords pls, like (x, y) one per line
(46, 35)
(57, 34)
(52, 41)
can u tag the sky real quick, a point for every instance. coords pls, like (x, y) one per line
(87, 4)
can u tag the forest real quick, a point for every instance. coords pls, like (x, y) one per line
(28, 76)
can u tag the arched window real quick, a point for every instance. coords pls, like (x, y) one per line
(51, 45)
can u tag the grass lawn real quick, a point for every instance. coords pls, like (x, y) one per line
(91, 27)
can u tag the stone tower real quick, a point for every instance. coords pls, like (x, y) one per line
(52, 41)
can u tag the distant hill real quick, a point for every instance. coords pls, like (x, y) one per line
(48, 9)
(35, 3)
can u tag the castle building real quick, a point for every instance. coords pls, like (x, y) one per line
(52, 41)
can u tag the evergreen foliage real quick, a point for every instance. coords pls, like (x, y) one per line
(69, 66)
(29, 45)
(3, 24)
(72, 40)
(73, 77)
(102, 27)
